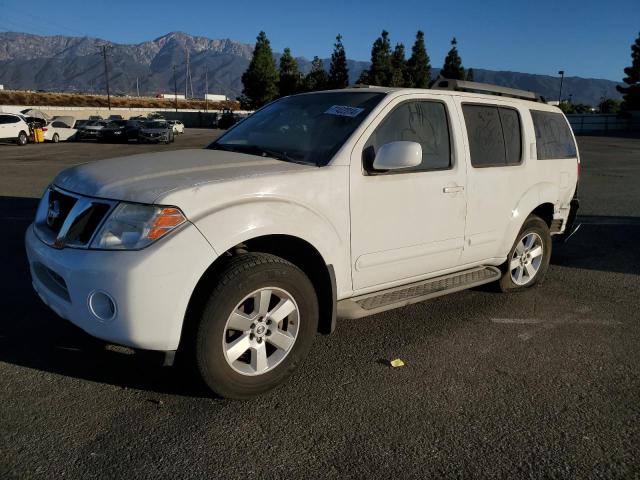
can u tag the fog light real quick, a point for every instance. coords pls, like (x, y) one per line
(102, 306)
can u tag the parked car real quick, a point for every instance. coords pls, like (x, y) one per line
(120, 131)
(155, 116)
(177, 125)
(60, 129)
(35, 118)
(14, 128)
(154, 131)
(321, 205)
(89, 131)
(95, 117)
(115, 117)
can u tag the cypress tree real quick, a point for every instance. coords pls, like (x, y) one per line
(260, 78)
(631, 93)
(289, 81)
(380, 72)
(452, 68)
(398, 67)
(418, 65)
(338, 71)
(317, 78)
(469, 75)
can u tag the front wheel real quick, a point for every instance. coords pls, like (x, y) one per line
(257, 325)
(529, 257)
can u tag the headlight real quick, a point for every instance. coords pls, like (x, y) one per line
(132, 226)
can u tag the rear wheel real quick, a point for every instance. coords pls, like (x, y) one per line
(22, 138)
(56, 138)
(256, 326)
(529, 257)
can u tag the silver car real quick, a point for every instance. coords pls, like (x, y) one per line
(155, 131)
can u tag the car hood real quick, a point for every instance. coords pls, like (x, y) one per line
(146, 178)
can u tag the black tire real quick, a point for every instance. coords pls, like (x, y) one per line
(22, 138)
(239, 278)
(537, 229)
(56, 138)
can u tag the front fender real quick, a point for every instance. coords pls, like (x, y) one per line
(252, 216)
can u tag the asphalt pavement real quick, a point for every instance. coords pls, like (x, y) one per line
(539, 384)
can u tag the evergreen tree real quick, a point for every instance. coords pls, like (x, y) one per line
(631, 93)
(418, 65)
(289, 75)
(398, 67)
(260, 78)
(317, 78)
(469, 75)
(380, 72)
(338, 71)
(452, 68)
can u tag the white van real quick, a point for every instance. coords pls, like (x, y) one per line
(331, 204)
(14, 128)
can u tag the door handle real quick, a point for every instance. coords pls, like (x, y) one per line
(456, 189)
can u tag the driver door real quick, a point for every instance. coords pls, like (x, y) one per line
(407, 224)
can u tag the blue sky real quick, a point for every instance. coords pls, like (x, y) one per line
(588, 38)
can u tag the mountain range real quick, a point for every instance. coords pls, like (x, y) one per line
(75, 64)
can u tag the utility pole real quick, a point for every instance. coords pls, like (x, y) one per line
(137, 87)
(175, 88)
(106, 74)
(206, 89)
(561, 73)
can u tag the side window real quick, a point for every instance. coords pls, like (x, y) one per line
(553, 136)
(418, 121)
(59, 124)
(512, 132)
(495, 136)
(4, 119)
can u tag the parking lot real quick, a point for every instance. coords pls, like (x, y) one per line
(538, 384)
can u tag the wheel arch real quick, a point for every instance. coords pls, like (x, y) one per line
(293, 249)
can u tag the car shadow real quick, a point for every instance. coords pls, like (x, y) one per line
(33, 336)
(606, 243)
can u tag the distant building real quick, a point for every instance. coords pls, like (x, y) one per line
(1, 87)
(170, 96)
(214, 97)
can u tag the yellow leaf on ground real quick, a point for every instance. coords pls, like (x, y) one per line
(396, 362)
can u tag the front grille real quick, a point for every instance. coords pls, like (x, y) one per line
(65, 219)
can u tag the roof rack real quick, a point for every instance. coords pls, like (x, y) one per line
(485, 88)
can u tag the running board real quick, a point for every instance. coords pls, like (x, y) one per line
(396, 297)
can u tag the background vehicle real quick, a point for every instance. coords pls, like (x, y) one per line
(89, 130)
(60, 129)
(177, 125)
(36, 118)
(14, 128)
(154, 131)
(330, 204)
(120, 131)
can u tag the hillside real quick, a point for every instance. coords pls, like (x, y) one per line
(74, 64)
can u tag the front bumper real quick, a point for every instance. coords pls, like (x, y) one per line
(151, 288)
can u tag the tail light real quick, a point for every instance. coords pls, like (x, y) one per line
(44, 129)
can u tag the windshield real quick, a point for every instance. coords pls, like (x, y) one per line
(307, 128)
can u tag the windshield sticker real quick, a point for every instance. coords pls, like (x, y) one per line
(344, 111)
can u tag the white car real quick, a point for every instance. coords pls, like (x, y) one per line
(60, 129)
(322, 205)
(177, 125)
(14, 128)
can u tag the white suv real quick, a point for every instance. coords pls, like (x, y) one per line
(14, 128)
(322, 205)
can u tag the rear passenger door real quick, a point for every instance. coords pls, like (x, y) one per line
(496, 178)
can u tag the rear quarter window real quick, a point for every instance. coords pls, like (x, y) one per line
(553, 136)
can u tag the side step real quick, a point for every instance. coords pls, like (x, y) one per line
(391, 298)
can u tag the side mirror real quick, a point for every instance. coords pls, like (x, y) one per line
(395, 155)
